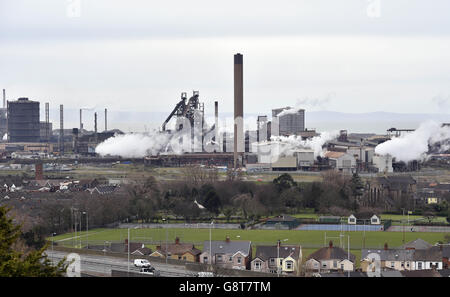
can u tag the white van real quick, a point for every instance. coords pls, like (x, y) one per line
(142, 263)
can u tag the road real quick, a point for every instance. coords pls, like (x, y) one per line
(104, 264)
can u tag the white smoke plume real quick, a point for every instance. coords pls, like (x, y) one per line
(138, 145)
(414, 145)
(295, 142)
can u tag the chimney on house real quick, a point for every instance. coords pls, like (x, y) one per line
(227, 239)
(386, 246)
(330, 244)
(177, 240)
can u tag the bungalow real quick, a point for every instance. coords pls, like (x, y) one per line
(227, 253)
(178, 251)
(330, 259)
(274, 259)
(390, 259)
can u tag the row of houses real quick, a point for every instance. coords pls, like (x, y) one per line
(61, 185)
(287, 259)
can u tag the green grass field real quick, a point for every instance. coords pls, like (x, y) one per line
(306, 238)
(309, 240)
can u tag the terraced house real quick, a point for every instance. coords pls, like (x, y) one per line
(329, 259)
(227, 253)
(178, 251)
(284, 259)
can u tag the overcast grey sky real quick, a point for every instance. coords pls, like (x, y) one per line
(349, 55)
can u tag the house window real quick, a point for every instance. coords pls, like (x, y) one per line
(289, 265)
(257, 265)
(230, 259)
(219, 258)
(272, 261)
(239, 260)
(374, 220)
(352, 220)
(392, 264)
(205, 259)
(335, 264)
(179, 257)
(184, 258)
(419, 265)
(324, 264)
(281, 262)
(342, 266)
(403, 264)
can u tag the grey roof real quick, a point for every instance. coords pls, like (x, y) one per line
(331, 253)
(446, 251)
(224, 247)
(282, 218)
(432, 254)
(265, 252)
(344, 274)
(390, 254)
(417, 244)
(391, 273)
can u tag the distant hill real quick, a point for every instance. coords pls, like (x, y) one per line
(372, 122)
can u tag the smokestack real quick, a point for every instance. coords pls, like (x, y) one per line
(47, 122)
(61, 129)
(81, 123)
(4, 98)
(216, 123)
(238, 107)
(106, 120)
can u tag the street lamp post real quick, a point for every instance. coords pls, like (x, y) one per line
(128, 252)
(53, 234)
(210, 244)
(87, 229)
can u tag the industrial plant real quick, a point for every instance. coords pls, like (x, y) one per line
(283, 143)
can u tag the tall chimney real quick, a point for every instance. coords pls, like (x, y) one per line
(61, 129)
(238, 107)
(106, 120)
(216, 123)
(4, 98)
(81, 123)
(95, 126)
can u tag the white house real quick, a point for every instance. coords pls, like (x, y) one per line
(352, 220)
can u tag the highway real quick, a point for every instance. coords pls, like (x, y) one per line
(102, 265)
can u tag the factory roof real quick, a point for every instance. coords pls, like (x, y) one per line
(334, 155)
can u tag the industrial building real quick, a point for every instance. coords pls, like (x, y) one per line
(290, 121)
(23, 121)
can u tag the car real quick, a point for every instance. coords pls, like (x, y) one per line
(142, 263)
(149, 271)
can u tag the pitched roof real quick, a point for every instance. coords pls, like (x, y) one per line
(397, 182)
(432, 254)
(418, 244)
(331, 253)
(227, 247)
(265, 252)
(390, 254)
(282, 218)
(178, 249)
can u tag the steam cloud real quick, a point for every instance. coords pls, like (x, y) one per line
(414, 145)
(137, 145)
(290, 144)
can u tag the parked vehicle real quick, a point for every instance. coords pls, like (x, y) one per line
(142, 263)
(149, 271)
